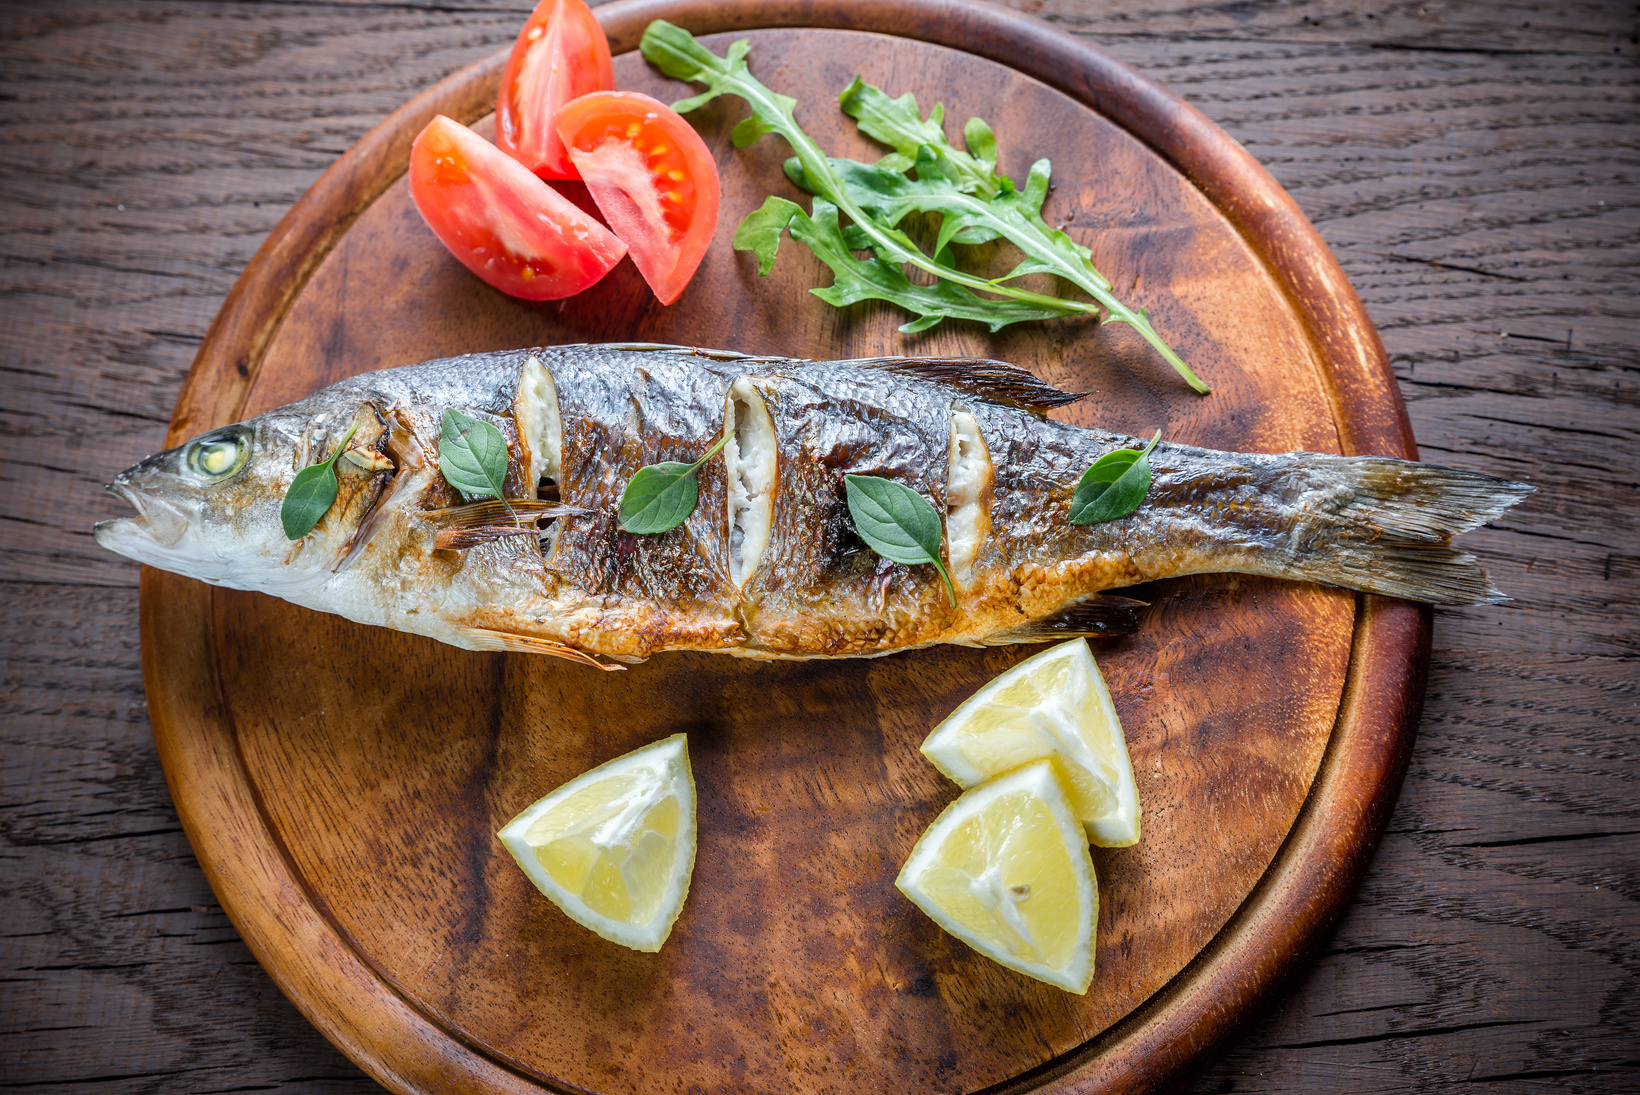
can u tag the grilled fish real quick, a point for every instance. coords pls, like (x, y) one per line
(768, 565)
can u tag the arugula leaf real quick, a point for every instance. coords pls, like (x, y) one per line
(975, 204)
(472, 456)
(899, 124)
(675, 52)
(1113, 486)
(979, 205)
(660, 497)
(871, 278)
(897, 523)
(312, 493)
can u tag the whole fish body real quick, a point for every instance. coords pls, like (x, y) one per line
(768, 564)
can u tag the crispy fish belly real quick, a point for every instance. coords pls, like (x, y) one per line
(768, 565)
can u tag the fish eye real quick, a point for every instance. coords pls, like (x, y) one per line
(218, 455)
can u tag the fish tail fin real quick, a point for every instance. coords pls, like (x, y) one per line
(1386, 526)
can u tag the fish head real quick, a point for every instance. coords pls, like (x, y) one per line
(210, 509)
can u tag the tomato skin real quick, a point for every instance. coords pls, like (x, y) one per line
(653, 178)
(504, 224)
(561, 54)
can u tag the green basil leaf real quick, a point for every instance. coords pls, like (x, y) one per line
(310, 496)
(896, 522)
(312, 493)
(660, 497)
(1114, 486)
(472, 456)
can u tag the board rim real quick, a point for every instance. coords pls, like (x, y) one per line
(1182, 1027)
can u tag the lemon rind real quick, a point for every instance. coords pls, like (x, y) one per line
(1037, 777)
(651, 935)
(1112, 831)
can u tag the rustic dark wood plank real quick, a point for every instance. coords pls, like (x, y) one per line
(1440, 166)
(1509, 26)
(118, 970)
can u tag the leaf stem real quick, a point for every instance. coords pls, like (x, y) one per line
(342, 444)
(950, 590)
(711, 452)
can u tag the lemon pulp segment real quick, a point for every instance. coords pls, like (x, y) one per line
(615, 847)
(1005, 868)
(1053, 705)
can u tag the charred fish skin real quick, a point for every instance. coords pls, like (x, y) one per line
(820, 590)
(768, 565)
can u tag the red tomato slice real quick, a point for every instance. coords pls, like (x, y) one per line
(503, 223)
(653, 179)
(561, 54)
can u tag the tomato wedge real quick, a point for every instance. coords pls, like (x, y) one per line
(653, 179)
(561, 54)
(504, 224)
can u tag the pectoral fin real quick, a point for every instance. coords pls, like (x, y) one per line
(461, 527)
(483, 638)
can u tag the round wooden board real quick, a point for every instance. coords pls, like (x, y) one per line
(341, 784)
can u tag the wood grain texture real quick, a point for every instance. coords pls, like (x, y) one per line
(1480, 950)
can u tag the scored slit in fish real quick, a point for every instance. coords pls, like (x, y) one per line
(542, 433)
(769, 564)
(749, 465)
(967, 494)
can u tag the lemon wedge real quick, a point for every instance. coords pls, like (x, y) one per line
(1005, 869)
(1051, 705)
(614, 847)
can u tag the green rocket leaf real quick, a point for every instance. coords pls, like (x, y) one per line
(312, 493)
(869, 278)
(897, 523)
(1114, 486)
(660, 497)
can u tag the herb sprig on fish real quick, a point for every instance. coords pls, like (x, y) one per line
(897, 523)
(1113, 486)
(472, 457)
(311, 494)
(975, 205)
(660, 497)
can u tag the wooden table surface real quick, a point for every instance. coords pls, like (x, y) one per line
(1473, 165)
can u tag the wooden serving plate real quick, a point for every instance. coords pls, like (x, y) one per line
(342, 784)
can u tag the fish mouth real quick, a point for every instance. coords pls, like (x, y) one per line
(155, 524)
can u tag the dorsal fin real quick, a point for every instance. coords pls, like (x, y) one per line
(981, 377)
(1101, 614)
(695, 351)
